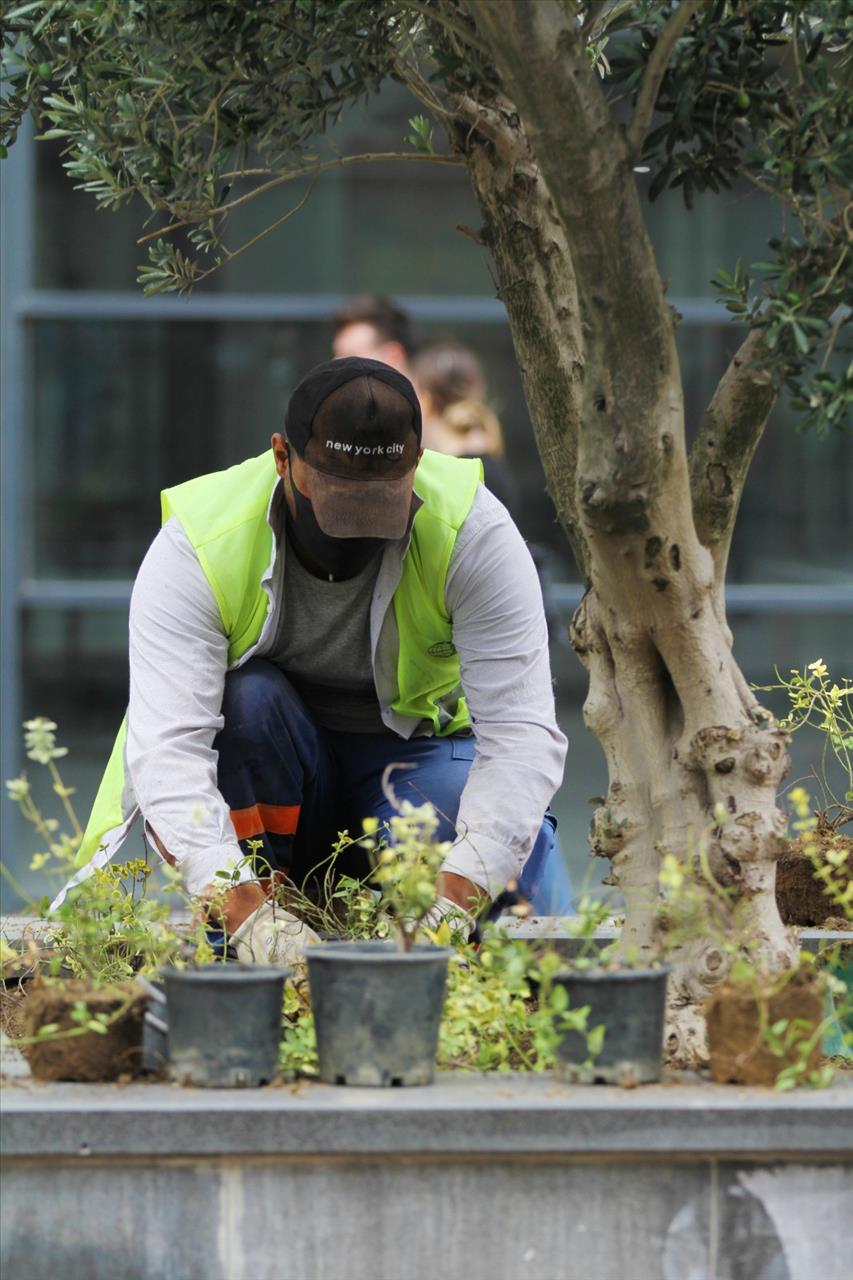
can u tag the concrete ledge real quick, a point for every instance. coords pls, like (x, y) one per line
(461, 1114)
(476, 1178)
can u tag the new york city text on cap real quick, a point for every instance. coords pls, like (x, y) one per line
(356, 418)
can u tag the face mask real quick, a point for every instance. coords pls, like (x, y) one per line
(336, 558)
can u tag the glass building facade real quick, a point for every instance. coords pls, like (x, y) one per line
(109, 397)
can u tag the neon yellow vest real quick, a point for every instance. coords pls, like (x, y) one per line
(224, 515)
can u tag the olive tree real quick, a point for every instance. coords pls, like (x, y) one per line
(552, 106)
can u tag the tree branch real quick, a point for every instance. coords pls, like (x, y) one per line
(631, 418)
(545, 71)
(288, 175)
(728, 436)
(409, 73)
(654, 74)
(231, 254)
(537, 286)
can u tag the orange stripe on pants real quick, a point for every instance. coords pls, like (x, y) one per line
(280, 819)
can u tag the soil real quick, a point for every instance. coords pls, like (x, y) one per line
(801, 899)
(837, 924)
(738, 1052)
(91, 1056)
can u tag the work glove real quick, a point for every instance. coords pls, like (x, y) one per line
(271, 935)
(459, 921)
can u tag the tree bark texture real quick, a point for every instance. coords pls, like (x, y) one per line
(690, 753)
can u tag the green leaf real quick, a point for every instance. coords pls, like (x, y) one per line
(595, 1040)
(23, 9)
(800, 338)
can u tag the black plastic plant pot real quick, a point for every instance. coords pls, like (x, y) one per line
(224, 1024)
(376, 1011)
(155, 1031)
(631, 1005)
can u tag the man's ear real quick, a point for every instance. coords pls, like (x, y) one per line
(280, 452)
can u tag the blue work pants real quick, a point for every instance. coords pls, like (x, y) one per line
(293, 785)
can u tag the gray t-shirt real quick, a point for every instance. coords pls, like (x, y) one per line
(322, 645)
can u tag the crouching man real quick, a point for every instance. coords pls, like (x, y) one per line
(343, 602)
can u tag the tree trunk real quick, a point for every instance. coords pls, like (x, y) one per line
(690, 753)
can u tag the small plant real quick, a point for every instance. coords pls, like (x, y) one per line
(591, 913)
(821, 708)
(818, 701)
(830, 861)
(405, 869)
(377, 1004)
(505, 1012)
(785, 1022)
(106, 930)
(298, 1049)
(695, 906)
(337, 904)
(796, 1043)
(332, 903)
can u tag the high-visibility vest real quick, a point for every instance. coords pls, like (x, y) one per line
(224, 516)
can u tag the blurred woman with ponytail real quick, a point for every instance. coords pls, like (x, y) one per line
(451, 387)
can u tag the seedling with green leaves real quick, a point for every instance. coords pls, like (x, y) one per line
(826, 706)
(406, 869)
(107, 928)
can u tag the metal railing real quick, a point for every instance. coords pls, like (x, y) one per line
(560, 597)
(91, 304)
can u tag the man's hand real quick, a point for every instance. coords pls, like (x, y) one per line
(467, 895)
(271, 935)
(458, 901)
(459, 921)
(230, 908)
(239, 903)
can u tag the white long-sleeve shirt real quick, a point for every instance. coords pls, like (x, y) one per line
(178, 663)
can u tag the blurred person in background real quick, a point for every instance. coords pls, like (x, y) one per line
(451, 386)
(375, 328)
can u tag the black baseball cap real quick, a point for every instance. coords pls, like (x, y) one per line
(356, 424)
